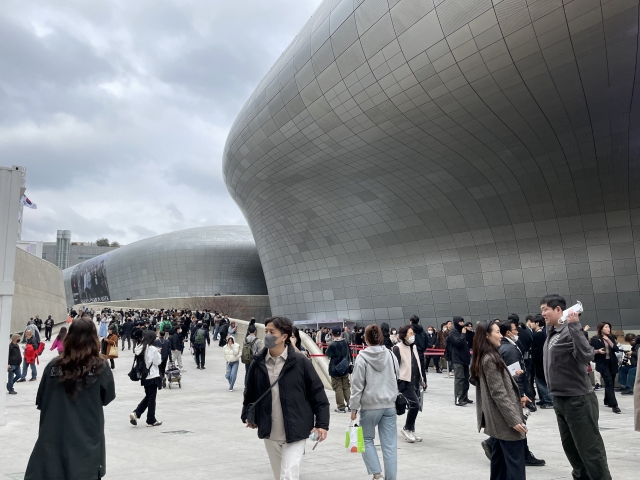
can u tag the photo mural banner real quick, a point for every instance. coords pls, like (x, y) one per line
(89, 281)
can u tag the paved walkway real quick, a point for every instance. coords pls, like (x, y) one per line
(202, 437)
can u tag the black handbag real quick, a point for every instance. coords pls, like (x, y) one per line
(251, 408)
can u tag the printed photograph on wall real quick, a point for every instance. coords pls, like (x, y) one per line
(89, 281)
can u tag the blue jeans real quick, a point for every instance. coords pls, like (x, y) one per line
(627, 376)
(25, 365)
(215, 331)
(14, 374)
(232, 373)
(385, 419)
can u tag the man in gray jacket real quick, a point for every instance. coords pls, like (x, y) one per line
(566, 356)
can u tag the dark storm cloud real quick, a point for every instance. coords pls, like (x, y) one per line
(120, 110)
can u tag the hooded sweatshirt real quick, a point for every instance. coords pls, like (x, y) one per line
(152, 359)
(374, 383)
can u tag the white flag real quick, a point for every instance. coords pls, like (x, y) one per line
(28, 203)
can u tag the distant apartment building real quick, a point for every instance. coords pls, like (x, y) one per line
(64, 253)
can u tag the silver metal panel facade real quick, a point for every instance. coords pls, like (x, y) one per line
(447, 157)
(195, 262)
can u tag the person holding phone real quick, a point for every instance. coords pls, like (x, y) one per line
(498, 404)
(284, 421)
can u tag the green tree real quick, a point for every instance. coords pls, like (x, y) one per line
(115, 244)
(102, 242)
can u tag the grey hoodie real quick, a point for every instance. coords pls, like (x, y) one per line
(374, 383)
(567, 353)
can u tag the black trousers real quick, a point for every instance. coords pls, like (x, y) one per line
(128, 339)
(148, 403)
(200, 353)
(163, 367)
(413, 403)
(507, 460)
(529, 369)
(223, 340)
(581, 440)
(436, 362)
(608, 380)
(461, 379)
(47, 333)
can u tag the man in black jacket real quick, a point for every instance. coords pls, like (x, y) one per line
(48, 327)
(525, 341)
(293, 403)
(136, 335)
(432, 342)
(461, 358)
(421, 339)
(127, 331)
(200, 340)
(15, 360)
(338, 354)
(176, 343)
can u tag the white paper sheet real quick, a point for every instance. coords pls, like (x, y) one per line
(513, 368)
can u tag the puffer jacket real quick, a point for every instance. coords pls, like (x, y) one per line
(231, 352)
(302, 396)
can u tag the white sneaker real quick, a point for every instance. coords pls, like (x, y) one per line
(408, 435)
(450, 374)
(231, 389)
(133, 419)
(418, 439)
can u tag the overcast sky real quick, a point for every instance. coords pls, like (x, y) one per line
(120, 110)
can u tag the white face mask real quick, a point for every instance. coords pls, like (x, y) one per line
(515, 338)
(410, 340)
(430, 332)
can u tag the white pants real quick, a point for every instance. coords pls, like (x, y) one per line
(177, 357)
(285, 458)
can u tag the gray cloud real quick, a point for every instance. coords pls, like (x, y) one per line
(120, 110)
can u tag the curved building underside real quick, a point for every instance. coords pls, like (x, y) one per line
(196, 262)
(447, 157)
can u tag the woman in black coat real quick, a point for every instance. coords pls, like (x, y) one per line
(75, 387)
(606, 347)
(289, 399)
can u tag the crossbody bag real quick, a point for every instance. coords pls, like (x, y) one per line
(251, 408)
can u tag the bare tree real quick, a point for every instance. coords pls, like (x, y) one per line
(229, 305)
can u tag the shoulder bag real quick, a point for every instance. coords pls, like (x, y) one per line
(251, 408)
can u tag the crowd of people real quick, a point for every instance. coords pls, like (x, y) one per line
(510, 363)
(377, 373)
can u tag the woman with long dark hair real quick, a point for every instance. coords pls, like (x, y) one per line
(153, 382)
(498, 404)
(411, 379)
(75, 387)
(605, 347)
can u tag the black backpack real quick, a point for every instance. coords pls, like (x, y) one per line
(139, 370)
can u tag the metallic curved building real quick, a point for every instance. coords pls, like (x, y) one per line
(447, 157)
(200, 261)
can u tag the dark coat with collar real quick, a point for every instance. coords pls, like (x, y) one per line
(511, 354)
(600, 359)
(304, 402)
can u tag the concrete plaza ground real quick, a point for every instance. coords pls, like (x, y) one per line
(202, 437)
